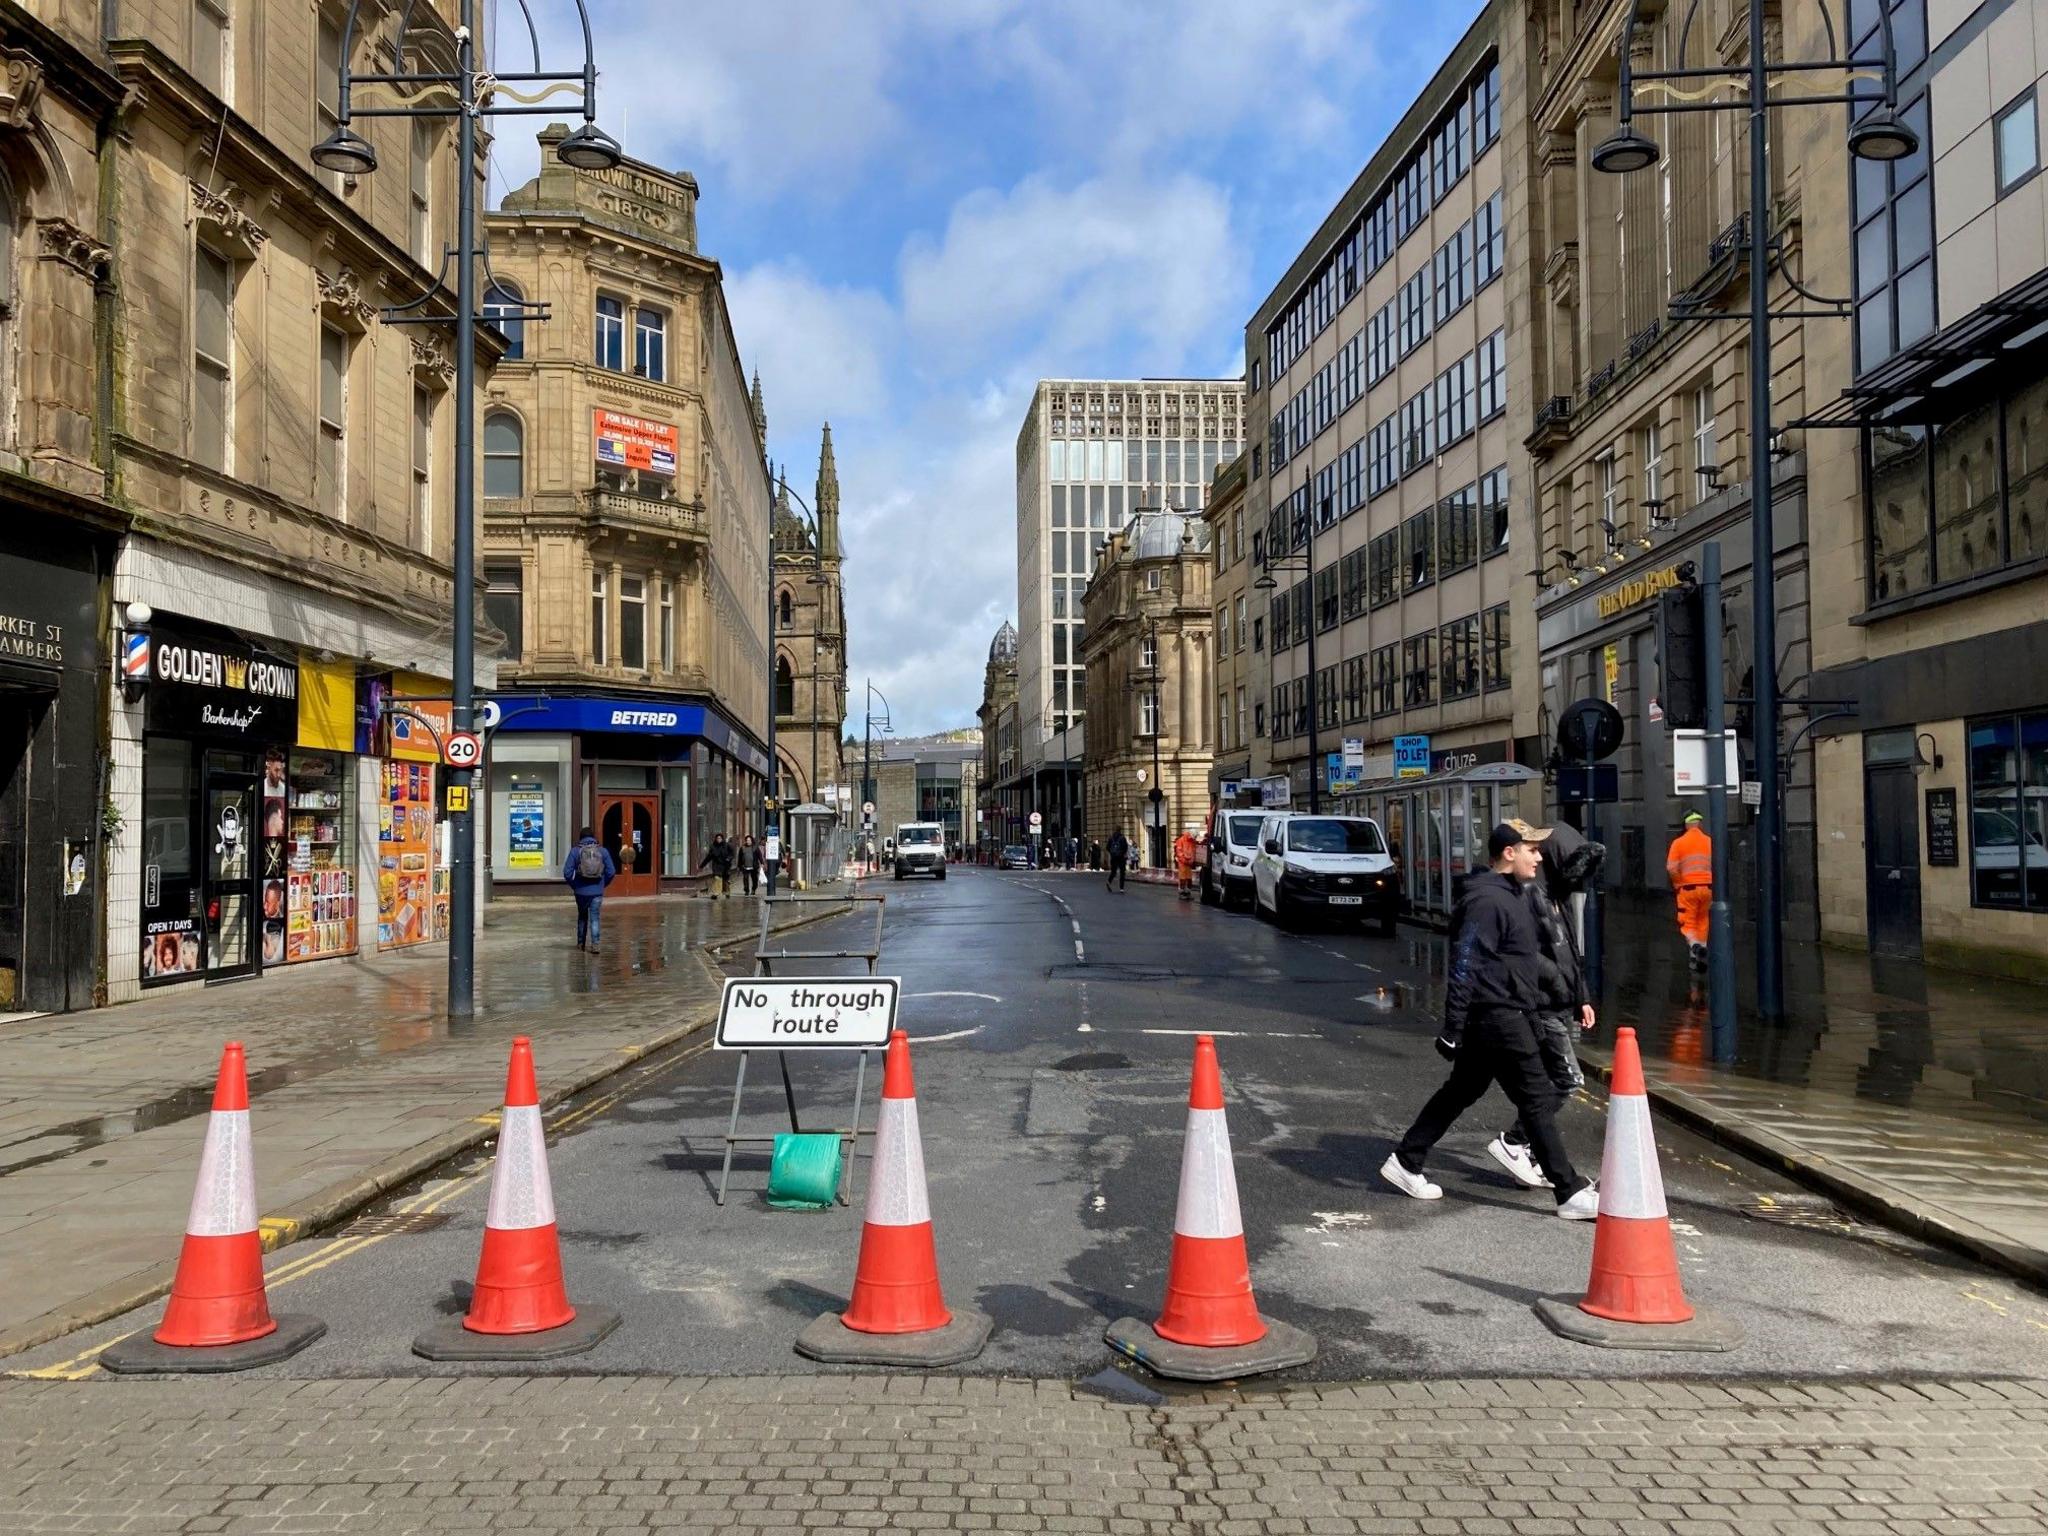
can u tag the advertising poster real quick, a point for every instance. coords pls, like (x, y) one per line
(271, 859)
(406, 895)
(628, 442)
(320, 905)
(170, 947)
(526, 817)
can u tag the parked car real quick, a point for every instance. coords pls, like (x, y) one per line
(1016, 856)
(1227, 866)
(1338, 865)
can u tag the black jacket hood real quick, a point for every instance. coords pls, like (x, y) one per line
(1570, 860)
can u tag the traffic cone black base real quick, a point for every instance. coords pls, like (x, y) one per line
(1280, 1348)
(141, 1355)
(1703, 1334)
(830, 1342)
(450, 1340)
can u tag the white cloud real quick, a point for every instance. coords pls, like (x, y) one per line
(824, 351)
(1062, 279)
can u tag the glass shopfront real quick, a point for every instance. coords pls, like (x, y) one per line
(221, 717)
(320, 840)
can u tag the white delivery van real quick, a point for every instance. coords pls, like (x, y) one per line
(921, 849)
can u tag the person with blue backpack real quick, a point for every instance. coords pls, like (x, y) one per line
(589, 868)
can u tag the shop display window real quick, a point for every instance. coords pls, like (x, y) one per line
(320, 856)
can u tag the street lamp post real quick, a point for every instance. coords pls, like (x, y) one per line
(867, 766)
(1879, 134)
(349, 153)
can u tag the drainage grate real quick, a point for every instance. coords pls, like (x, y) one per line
(394, 1224)
(1817, 1213)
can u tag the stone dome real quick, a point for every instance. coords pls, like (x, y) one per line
(1004, 646)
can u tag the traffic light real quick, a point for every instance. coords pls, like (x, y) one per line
(1681, 657)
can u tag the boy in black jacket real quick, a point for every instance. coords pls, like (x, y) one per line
(1569, 863)
(1488, 1036)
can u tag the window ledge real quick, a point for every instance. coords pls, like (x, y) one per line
(1955, 591)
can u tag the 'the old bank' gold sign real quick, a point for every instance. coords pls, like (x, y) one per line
(1631, 594)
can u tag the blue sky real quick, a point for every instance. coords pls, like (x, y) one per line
(924, 206)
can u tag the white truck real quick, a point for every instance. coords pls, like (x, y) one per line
(921, 849)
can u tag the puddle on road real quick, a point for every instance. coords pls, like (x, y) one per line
(1113, 1384)
(1093, 1061)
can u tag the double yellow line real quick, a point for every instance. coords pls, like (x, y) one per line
(333, 1251)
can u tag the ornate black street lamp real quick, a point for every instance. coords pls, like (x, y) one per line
(1879, 134)
(466, 93)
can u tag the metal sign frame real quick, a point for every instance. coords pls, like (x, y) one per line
(765, 961)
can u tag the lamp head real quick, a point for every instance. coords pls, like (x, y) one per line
(589, 148)
(345, 151)
(1625, 150)
(1882, 134)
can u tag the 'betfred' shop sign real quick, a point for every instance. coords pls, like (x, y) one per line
(628, 442)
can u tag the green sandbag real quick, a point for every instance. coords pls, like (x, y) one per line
(804, 1173)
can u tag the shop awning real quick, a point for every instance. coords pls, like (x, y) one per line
(1931, 381)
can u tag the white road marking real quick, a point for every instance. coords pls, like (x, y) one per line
(958, 1034)
(985, 996)
(1236, 1034)
(1331, 1221)
(1364, 967)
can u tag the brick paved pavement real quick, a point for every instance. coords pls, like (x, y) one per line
(741, 1457)
(357, 1082)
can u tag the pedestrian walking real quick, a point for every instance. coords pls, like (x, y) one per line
(1186, 853)
(1569, 864)
(718, 859)
(589, 868)
(748, 861)
(1119, 853)
(771, 858)
(1690, 864)
(1488, 1035)
(1095, 853)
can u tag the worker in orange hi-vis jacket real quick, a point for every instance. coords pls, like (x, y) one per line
(1690, 864)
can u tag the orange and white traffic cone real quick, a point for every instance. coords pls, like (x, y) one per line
(218, 1318)
(1634, 1299)
(898, 1315)
(519, 1307)
(1210, 1328)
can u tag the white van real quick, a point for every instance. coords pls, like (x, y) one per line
(921, 849)
(1338, 865)
(1227, 866)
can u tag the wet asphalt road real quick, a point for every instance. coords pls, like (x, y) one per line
(1052, 1088)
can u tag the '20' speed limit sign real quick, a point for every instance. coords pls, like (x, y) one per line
(461, 749)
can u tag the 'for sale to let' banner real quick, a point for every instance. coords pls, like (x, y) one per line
(628, 442)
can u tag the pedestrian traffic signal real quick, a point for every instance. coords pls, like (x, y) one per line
(1681, 657)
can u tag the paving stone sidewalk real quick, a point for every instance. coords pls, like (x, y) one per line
(747, 1457)
(357, 1083)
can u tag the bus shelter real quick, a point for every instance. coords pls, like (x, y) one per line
(1436, 826)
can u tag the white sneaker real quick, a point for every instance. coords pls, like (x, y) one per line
(1409, 1183)
(1518, 1162)
(1583, 1206)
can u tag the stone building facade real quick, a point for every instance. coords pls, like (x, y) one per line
(1147, 646)
(999, 810)
(810, 640)
(59, 116)
(1636, 400)
(287, 463)
(626, 532)
(1242, 676)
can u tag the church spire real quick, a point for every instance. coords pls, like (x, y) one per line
(828, 499)
(760, 413)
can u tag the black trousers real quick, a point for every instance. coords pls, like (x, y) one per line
(1116, 874)
(1498, 1048)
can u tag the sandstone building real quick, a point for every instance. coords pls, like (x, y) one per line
(626, 513)
(1146, 643)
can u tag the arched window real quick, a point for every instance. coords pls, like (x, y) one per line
(504, 309)
(504, 456)
(785, 687)
(788, 608)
